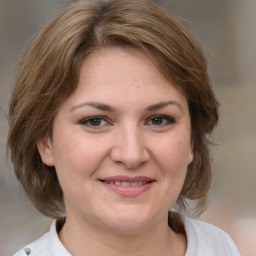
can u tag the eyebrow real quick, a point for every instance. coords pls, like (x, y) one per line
(97, 105)
(164, 104)
(108, 108)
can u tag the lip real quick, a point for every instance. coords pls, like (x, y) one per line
(143, 184)
(121, 178)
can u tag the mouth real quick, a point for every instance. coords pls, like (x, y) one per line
(128, 186)
(125, 181)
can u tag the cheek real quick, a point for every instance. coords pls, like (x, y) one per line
(78, 156)
(172, 158)
(174, 155)
(76, 161)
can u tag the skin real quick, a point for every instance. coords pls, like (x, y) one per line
(124, 90)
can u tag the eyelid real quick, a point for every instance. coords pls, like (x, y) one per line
(83, 121)
(170, 119)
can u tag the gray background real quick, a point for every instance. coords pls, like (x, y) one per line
(226, 30)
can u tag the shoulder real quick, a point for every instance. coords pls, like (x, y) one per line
(35, 248)
(47, 245)
(206, 239)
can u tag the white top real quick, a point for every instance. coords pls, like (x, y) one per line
(202, 239)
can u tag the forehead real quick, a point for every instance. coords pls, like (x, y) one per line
(110, 74)
(124, 60)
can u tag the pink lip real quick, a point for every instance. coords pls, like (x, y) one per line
(130, 191)
(127, 179)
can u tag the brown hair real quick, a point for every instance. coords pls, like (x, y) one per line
(49, 75)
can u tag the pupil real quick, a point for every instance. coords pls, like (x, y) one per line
(157, 120)
(95, 122)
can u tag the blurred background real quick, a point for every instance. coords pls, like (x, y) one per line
(226, 30)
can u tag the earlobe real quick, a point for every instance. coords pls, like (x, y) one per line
(44, 147)
(190, 156)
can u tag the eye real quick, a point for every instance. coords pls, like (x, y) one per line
(94, 121)
(160, 120)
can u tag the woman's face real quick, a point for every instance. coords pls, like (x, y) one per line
(121, 143)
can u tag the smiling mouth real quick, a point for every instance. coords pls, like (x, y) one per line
(128, 186)
(126, 183)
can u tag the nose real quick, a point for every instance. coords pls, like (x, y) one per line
(129, 148)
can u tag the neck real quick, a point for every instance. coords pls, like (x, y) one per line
(90, 239)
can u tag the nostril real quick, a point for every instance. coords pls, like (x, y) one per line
(129, 149)
(134, 166)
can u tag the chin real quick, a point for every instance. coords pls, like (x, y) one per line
(129, 223)
(129, 227)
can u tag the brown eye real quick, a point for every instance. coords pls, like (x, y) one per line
(94, 121)
(160, 120)
(157, 120)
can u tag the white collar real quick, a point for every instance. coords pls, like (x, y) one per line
(203, 239)
(47, 245)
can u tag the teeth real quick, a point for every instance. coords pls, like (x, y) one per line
(133, 184)
(127, 183)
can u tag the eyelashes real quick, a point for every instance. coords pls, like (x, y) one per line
(97, 122)
(160, 120)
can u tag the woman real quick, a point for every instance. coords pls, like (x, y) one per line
(109, 121)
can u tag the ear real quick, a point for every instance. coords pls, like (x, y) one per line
(191, 154)
(44, 147)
